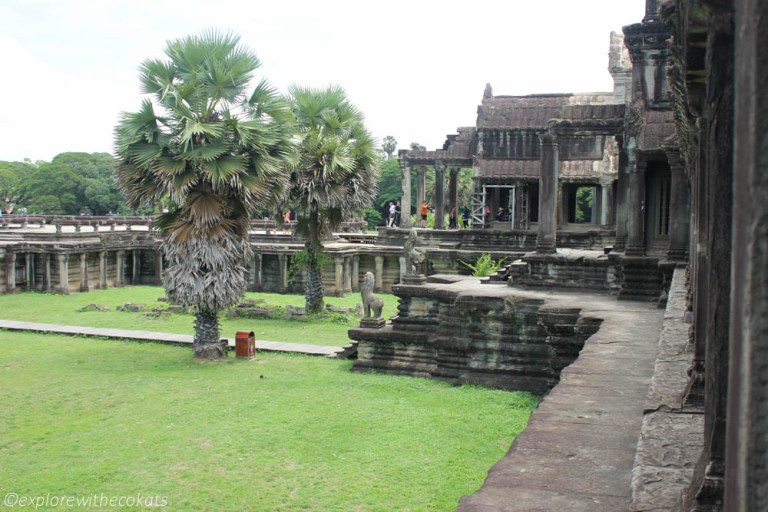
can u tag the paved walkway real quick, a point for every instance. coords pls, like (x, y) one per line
(578, 451)
(162, 337)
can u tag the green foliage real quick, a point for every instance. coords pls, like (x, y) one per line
(292, 434)
(584, 200)
(302, 261)
(484, 266)
(374, 218)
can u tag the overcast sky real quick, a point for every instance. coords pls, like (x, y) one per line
(417, 69)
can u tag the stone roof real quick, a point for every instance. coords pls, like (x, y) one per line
(535, 111)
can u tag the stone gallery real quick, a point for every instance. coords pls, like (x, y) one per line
(632, 223)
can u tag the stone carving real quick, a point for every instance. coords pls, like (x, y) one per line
(371, 303)
(414, 258)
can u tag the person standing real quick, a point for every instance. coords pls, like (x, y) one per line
(391, 214)
(398, 212)
(424, 214)
(453, 219)
(465, 217)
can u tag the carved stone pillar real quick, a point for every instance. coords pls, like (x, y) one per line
(439, 195)
(159, 267)
(103, 270)
(679, 215)
(405, 199)
(282, 260)
(119, 268)
(622, 193)
(10, 271)
(636, 210)
(548, 192)
(403, 267)
(136, 267)
(347, 274)
(83, 272)
(48, 285)
(420, 189)
(356, 272)
(453, 191)
(257, 271)
(29, 269)
(379, 273)
(63, 260)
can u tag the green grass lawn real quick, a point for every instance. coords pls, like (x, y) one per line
(85, 416)
(65, 309)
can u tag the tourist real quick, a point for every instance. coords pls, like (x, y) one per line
(424, 210)
(398, 212)
(452, 219)
(465, 217)
(392, 210)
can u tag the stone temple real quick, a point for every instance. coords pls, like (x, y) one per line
(662, 269)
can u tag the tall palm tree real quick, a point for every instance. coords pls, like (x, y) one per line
(337, 175)
(217, 153)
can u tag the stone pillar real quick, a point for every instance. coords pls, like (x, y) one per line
(83, 272)
(338, 276)
(136, 267)
(679, 214)
(379, 273)
(159, 267)
(48, 286)
(257, 270)
(29, 269)
(439, 195)
(356, 272)
(405, 199)
(63, 260)
(607, 207)
(403, 267)
(453, 191)
(622, 187)
(347, 274)
(420, 190)
(636, 210)
(282, 260)
(10, 271)
(547, 236)
(119, 268)
(103, 270)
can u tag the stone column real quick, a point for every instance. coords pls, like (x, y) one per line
(83, 272)
(136, 267)
(103, 270)
(10, 271)
(420, 190)
(338, 276)
(119, 268)
(636, 211)
(356, 272)
(453, 191)
(48, 286)
(63, 260)
(379, 273)
(29, 269)
(439, 195)
(547, 235)
(607, 212)
(159, 267)
(257, 269)
(679, 214)
(347, 274)
(282, 260)
(405, 199)
(622, 187)
(403, 267)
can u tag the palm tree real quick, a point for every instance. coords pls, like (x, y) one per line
(337, 175)
(215, 153)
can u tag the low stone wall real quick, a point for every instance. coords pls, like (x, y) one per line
(461, 331)
(671, 438)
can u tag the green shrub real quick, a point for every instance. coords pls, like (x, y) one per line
(484, 266)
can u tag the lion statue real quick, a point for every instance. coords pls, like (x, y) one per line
(371, 302)
(414, 257)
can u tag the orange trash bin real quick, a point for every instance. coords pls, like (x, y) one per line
(245, 344)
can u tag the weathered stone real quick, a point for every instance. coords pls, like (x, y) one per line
(94, 307)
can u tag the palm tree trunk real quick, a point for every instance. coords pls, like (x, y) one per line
(314, 289)
(207, 343)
